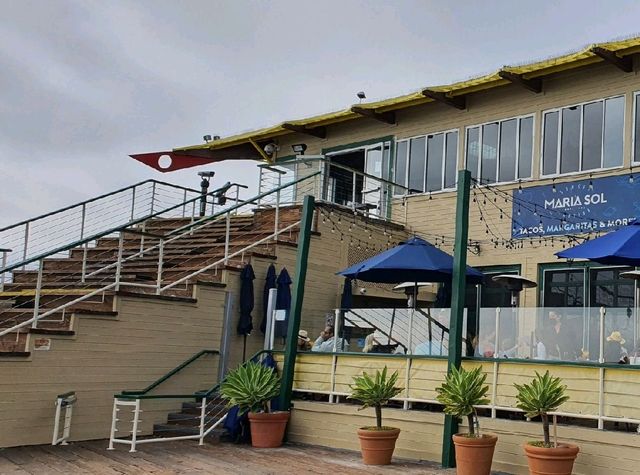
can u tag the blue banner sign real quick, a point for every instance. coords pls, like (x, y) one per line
(575, 207)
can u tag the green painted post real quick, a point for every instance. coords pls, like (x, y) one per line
(457, 304)
(293, 327)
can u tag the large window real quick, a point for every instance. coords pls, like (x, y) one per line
(583, 137)
(427, 163)
(636, 127)
(500, 151)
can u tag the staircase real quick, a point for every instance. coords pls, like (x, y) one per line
(188, 420)
(158, 255)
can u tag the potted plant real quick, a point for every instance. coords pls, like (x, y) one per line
(459, 394)
(251, 387)
(378, 442)
(543, 395)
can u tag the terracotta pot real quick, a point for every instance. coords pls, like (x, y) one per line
(377, 445)
(267, 429)
(474, 454)
(551, 461)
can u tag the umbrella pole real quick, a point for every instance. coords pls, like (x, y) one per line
(244, 349)
(411, 315)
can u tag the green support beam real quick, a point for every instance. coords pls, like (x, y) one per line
(304, 241)
(457, 304)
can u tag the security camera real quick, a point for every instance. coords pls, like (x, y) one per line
(207, 138)
(271, 148)
(206, 174)
(363, 290)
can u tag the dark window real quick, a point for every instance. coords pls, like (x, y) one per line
(550, 147)
(608, 289)
(525, 153)
(570, 143)
(613, 132)
(473, 151)
(564, 288)
(417, 165)
(451, 160)
(435, 156)
(592, 142)
(508, 138)
(400, 169)
(489, 153)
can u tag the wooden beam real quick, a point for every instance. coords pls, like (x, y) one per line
(386, 117)
(624, 63)
(533, 85)
(319, 132)
(458, 102)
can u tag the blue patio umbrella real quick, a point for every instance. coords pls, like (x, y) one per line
(283, 301)
(414, 260)
(245, 323)
(621, 247)
(269, 283)
(346, 302)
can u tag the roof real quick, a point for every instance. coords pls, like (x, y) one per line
(534, 70)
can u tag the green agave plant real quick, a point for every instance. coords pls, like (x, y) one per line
(375, 391)
(543, 395)
(461, 391)
(250, 387)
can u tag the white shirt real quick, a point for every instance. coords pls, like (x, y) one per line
(326, 346)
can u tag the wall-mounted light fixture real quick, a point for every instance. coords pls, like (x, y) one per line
(299, 148)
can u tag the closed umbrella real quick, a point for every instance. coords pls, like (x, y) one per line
(245, 323)
(269, 283)
(283, 301)
(346, 302)
(621, 247)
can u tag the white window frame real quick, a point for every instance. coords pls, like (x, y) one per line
(426, 152)
(517, 165)
(634, 160)
(559, 144)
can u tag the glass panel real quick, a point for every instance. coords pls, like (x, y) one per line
(564, 288)
(435, 149)
(473, 151)
(488, 168)
(371, 192)
(526, 147)
(613, 130)
(592, 136)
(570, 142)
(417, 165)
(636, 133)
(507, 166)
(400, 169)
(550, 147)
(451, 160)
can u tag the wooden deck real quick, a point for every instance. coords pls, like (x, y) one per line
(186, 457)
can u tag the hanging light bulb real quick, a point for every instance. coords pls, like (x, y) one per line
(553, 187)
(590, 181)
(519, 186)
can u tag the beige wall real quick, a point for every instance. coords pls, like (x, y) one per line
(335, 425)
(107, 355)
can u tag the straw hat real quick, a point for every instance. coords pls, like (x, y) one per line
(303, 335)
(616, 336)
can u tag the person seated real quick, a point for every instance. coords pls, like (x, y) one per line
(370, 343)
(614, 352)
(429, 348)
(509, 348)
(304, 342)
(325, 342)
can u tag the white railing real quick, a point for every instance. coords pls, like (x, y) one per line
(148, 256)
(64, 401)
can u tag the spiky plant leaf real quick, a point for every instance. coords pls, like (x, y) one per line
(250, 387)
(544, 394)
(375, 391)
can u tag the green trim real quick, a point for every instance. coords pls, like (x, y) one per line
(302, 259)
(364, 143)
(171, 373)
(501, 268)
(458, 291)
(286, 158)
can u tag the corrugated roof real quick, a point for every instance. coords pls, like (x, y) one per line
(542, 68)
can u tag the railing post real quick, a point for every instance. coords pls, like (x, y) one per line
(36, 303)
(160, 264)
(603, 312)
(153, 197)
(203, 416)
(136, 419)
(26, 242)
(277, 214)
(237, 199)
(119, 262)
(84, 262)
(353, 191)
(4, 264)
(494, 384)
(114, 421)
(226, 238)
(82, 221)
(184, 204)
(133, 202)
(144, 228)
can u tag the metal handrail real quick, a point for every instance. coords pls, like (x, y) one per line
(95, 198)
(102, 234)
(171, 373)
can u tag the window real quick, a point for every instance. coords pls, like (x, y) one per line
(583, 137)
(636, 127)
(500, 151)
(427, 163)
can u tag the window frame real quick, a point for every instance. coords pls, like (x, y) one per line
(634, 160)
(480, 126)
(559, 110)
(426, 136)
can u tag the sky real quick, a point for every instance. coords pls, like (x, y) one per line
(85, 83)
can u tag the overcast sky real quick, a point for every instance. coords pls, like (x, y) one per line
(85, 83)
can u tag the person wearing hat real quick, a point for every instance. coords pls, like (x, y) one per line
(614, 352)
(304, 342)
